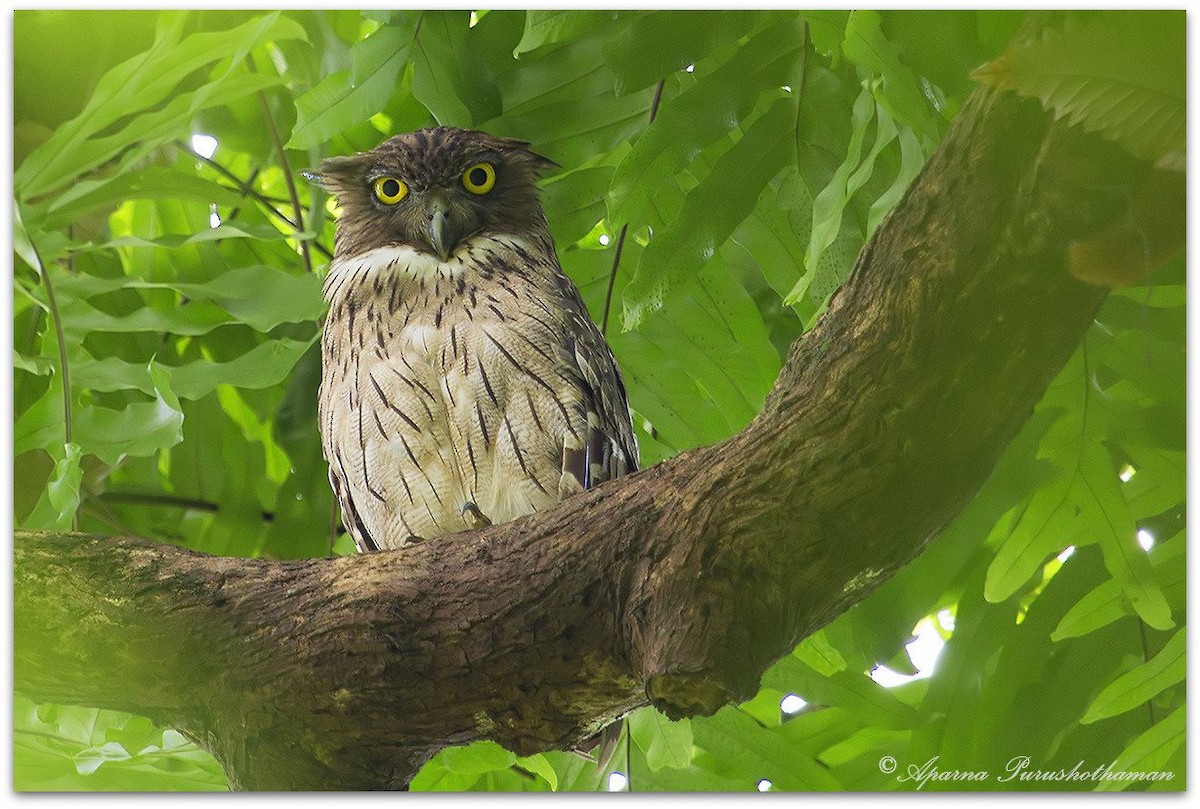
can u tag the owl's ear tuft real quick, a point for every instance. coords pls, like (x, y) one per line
(541, 164)
(536, 162)
(336, 173)
(314, 177)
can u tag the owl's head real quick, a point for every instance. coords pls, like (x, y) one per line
(433, 190)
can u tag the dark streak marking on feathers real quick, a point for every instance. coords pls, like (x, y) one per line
(487, 384)
(388, 404)
(474, 468)
(348, 506)
(539, 350)
(520, 458)
(363, 448)
(419, 467)
(538, 379)
(482, 425)
(379, 424)
(533, 412)
(413, 381)
(499, 315)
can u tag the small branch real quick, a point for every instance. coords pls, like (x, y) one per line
(804, 46)
(247, 190)
(286, 165)
(1141, 625)
(170, 501)
(60, 338)
(612, 275)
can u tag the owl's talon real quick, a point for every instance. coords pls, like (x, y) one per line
(411, 540)
(477, 517)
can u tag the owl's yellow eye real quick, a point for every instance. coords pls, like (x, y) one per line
(389, 190)
(480, 178)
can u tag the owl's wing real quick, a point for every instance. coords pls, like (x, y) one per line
(350, 517)
(610, 449)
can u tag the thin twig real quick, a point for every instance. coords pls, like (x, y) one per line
(612, 275)
(246, 190)
(273, 131)
(170, 501)
(799, 90)
(1146, 657)
(64, 366)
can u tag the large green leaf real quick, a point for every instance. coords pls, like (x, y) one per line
(1151, 752)
(1165, 669)
(1106, 603)
(665, 743)
(354, 94)
(665, 41)
(711, 109)
(142, 83)
(711, 211)
(1119, 74)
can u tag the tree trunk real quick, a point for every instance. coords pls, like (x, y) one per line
(679, 585)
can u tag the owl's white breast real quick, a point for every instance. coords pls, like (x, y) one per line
(387, 263)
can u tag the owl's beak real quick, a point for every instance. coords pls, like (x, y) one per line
(436, 230)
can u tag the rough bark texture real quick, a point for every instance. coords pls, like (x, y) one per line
(679, 585)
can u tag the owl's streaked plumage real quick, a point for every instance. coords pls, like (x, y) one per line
(462, 376)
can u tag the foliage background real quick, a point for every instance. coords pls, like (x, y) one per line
(183, 294)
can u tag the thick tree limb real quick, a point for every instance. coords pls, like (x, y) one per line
(678, 585)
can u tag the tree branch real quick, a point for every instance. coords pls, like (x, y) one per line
(678, 585)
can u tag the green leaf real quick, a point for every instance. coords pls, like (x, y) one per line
(711, 211)
(1143, 683)
(1106, 514)
(662, 42)
(1151, 752)
(352, 95)
(437, 66)
(56, 507)
(754, 753)
(143, 82)
(850, 690)
(829, 206)
(901, 92)
(665, 743)
(63, 489)
(574, 202)
(174, 241)
(1045, 526)
(1117, 73)
(827, 29)
(539, 765)
(1106, 603)
(154, 182)
(476, 758)
(820, 655)
(545, 27)
(263, 366)
(260, 297)
(700, 368)
(708, 111)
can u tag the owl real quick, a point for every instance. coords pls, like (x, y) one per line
(463, 382)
